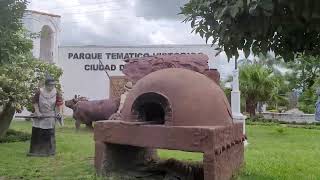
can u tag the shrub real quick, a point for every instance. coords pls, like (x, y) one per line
(15, 136)
(280, 130)
(273, 110)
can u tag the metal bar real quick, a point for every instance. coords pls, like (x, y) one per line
(57, 118)
(35, 116)
(104, 69)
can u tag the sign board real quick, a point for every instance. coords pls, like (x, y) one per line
(84, 75)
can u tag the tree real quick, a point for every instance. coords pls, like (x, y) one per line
(266, 60)
(304, 71)
(304, 76)
(286, 27)
(280, 89)
(20, 71)
(278, 96)
(256, 85)
(307, 100)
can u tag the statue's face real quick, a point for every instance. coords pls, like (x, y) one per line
(50, 87)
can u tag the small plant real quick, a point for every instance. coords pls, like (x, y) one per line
(280, 130)
(15, 136)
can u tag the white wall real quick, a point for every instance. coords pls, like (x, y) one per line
(34, 21)
(95, 84)
(287, 117)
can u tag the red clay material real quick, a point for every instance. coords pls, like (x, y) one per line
(192, 99)
(174, 109)
(135, 69)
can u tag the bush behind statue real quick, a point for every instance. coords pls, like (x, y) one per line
(15, 136)
(21, 74)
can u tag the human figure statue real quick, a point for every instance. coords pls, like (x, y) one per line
(47, 102)
(117, 115)
(317, 114)
(127, 87)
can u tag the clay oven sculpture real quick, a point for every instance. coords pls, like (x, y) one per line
(174, 109)
(136, 69)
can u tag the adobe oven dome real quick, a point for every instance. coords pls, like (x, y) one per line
(177, 97)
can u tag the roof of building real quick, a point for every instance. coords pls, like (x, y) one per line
(137, 46)
(43, 13)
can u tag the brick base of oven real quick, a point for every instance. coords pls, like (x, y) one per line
(121, 146)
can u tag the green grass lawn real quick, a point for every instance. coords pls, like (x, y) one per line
(274, 153)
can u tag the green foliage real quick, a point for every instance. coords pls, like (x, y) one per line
(256, 85)
(21, 78)
(309, 97)
(20, 72)
(282, 124)
(15, 136)
(13, 44)
(266, 60)
(307, 101)
(304, 72)
(273, 110)
(259, 26)
(261, 81)
(73, 160)
(304, 75)
(280, 89)
(268, 156)
(280, 130)
(277, 97)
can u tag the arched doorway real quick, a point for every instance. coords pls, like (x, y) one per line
(46, 44)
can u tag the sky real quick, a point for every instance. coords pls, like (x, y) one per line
(122, 22)
(119, 22)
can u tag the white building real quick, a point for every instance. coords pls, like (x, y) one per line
(47, 26)
(82, 73)
(80, 64)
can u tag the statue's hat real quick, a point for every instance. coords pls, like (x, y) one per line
(128, 85)
(50, 80)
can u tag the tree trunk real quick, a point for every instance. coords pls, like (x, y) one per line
(251, 107)
(6, 117)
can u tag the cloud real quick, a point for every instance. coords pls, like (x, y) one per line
(112, 22)
(118, 32)
(159, 9)
(124, 22)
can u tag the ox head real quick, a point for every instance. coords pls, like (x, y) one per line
(71, 103)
